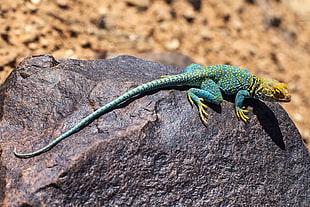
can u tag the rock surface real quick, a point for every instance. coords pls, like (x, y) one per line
(211, 32)
(151, 151)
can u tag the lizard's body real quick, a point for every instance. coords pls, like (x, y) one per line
(208, 85)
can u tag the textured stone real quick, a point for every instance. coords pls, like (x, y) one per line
(151, 151)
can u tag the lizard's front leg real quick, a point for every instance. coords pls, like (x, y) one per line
(240, 109)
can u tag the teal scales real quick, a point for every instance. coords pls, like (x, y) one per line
(207, 82)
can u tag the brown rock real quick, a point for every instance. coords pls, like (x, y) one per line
(151, 151)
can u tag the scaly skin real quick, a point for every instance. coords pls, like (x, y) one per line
(208, 85)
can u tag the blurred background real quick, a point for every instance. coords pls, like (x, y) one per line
(271, 38)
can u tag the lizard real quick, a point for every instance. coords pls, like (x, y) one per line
(207, 83)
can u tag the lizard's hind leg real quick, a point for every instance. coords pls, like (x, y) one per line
(209, 92)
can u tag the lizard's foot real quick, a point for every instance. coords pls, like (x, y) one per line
(240, 114)
(202, 113)
(201, 109)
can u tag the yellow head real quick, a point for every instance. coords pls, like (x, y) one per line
(271, 90)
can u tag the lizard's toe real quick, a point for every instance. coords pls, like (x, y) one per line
(204, 106)
(190, 99)
(240, 114)
(202, 113)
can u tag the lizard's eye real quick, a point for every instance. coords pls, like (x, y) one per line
(280, 92)
(267, 92)
(277, 91)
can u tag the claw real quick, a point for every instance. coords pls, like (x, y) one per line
(202, 113)
(240, 114)
(201, 109)
(202, 104)
(190, 99)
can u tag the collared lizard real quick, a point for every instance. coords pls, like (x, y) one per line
(207, 82)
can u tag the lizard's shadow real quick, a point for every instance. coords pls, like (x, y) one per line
(266, 118)
(269, 121)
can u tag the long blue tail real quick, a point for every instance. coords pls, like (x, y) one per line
(174, 80)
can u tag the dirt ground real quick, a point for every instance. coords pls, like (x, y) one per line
(271, 38)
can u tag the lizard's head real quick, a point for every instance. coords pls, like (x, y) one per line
(272, 90)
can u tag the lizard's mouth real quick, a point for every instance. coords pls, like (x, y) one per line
(280, 93)
(286, 98)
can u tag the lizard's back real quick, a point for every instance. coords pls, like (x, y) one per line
(229, 79)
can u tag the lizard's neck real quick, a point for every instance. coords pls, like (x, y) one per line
(254, 84)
